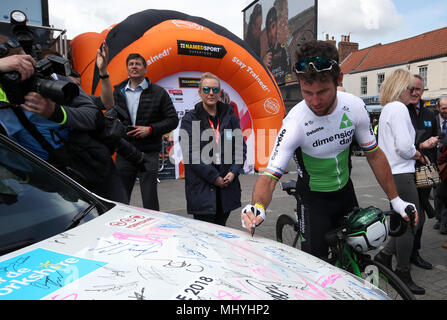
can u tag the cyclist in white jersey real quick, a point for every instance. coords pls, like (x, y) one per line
(319, 131)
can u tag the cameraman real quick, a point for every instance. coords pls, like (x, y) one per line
(72, 126)
(22, 63)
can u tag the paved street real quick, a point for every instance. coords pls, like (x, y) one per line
(172, 199)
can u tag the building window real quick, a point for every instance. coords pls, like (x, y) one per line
(380, 79)
(364, 85)
(423, 71)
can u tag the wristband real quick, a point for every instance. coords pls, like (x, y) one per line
(150, 129)
(64, 119)
(104, 76)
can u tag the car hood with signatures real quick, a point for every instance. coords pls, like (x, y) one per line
(134, 253)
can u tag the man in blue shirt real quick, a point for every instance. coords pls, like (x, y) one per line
(149, 113)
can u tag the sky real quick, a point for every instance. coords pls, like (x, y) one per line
(368, 22)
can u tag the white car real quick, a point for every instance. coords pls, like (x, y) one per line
(60, 242)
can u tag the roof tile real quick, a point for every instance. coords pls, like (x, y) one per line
(423, 46)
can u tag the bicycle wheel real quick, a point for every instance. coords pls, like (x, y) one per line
(287, 231)
(386, 280)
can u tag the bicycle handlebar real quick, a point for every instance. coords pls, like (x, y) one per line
(398, 225)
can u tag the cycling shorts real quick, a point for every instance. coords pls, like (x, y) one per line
(319, 213)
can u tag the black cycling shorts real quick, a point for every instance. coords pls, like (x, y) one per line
(319, 213)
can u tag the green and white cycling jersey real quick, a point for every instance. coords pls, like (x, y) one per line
(322, 143)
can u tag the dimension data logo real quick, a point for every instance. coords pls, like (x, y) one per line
(345, 122)
(344, 138)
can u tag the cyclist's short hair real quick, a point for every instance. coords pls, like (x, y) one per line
(133, 56)
(208, 75)
(319, 48)
(394, 85)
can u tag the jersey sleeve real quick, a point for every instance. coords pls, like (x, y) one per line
(288, 140)
(364, 132)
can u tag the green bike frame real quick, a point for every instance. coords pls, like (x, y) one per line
(350, 257)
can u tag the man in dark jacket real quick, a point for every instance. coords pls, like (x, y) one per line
(148, 112)
(424, 123)
(214, 152)
(440, 191)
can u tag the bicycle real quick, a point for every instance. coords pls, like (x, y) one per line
(342, 254)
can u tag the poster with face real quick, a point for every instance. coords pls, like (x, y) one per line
(274, 28)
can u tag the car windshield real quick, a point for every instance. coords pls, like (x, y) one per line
(34, 203)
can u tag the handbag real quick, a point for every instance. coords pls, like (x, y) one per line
(427, 175)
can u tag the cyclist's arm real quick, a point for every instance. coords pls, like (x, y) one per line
(262, 193)
(288, 139)
(375, 156)
(381, 169)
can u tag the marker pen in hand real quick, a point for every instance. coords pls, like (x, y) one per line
(253, 230)
(257, 211)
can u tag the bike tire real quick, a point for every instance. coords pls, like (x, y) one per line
(387, 281)
(287, 231)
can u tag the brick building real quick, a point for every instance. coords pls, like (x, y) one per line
(426, 54)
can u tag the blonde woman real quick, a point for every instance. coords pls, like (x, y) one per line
(396, 139)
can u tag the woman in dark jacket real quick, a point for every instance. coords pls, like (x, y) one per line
(214, 152)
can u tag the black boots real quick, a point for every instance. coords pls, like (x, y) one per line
(417, 260)
(384, 259)
(405, 276)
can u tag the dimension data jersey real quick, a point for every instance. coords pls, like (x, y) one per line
(322, 143)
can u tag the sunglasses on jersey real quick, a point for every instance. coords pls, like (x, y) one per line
(318, 63)
(208, 89)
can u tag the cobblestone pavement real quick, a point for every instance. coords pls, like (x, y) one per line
(172, 199)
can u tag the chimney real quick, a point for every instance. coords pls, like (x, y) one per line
(345, 47)
(331, 41)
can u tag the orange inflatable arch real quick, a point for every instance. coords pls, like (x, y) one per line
(173, 42)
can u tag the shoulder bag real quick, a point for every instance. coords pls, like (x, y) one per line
(427, 175)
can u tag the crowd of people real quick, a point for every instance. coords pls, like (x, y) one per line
(327, 114)
(76, 131)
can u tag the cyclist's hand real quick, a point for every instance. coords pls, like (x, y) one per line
(399, 206)
(251, 216)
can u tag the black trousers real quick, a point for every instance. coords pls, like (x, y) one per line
(220, 217)
(148, 179)
(440, 193)
(112, 187)
(425, 206)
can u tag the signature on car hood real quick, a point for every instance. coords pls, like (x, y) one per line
(133, 253)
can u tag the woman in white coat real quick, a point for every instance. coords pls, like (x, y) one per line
(396, 139)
